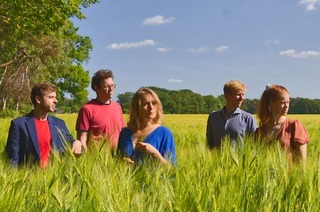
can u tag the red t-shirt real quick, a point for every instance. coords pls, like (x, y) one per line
(44, 139)
(101, 121)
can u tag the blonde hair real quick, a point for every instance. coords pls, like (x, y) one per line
(271, 94)
(135, 106)
(234, 85)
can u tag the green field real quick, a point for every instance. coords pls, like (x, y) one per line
(253, 178)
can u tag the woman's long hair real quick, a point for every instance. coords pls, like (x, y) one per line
(271, 94)
(135, 106)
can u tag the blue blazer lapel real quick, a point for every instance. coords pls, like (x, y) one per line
(33, 133)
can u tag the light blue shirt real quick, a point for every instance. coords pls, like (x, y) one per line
(235, 127)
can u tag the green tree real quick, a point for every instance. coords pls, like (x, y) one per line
(124, 100)
(39, 42)
(211, 103)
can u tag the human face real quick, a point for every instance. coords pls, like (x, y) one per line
(148, 108)
(106, 89)
(280, 106)
(47, 103)
(234, 99)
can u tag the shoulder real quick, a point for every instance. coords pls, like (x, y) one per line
(298, 131)
(22, 119)
(246, 114)
(89, 104)
(126, 132)
(164, 130)
(126, 129)
(293, 123)
(216, 113)
(56, 120)
(115, 104)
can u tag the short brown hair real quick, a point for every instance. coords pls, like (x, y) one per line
(40, 89)
(99, 76)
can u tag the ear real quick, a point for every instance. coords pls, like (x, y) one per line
(95, 88)
(38, 99)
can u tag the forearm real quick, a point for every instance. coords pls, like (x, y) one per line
(83, 137)
(303, 152)
(160, 158)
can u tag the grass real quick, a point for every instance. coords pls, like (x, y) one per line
(252, 178)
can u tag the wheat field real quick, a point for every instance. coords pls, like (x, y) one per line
(252, 178)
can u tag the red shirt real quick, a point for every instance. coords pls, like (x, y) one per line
(101, 121)
(44, 139)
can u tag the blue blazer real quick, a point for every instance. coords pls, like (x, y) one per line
(22, 144)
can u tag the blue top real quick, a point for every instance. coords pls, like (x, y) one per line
(219, 126)
(161, 138)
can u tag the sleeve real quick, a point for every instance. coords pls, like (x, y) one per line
(125, 143)
(169, 148)
(82, 123)
(12, 147)
(66, 131)
(61, 137)
(209, 134)
(299, 133)
(252, 124)
(122, 123)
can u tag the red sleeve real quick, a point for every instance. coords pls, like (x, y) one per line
(299, 133)
(82, 120)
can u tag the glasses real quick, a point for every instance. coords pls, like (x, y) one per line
(109, 87)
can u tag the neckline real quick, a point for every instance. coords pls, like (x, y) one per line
(102, 103)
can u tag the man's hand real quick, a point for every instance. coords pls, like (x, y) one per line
(77, 147)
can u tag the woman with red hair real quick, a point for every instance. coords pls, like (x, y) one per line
(274, 125)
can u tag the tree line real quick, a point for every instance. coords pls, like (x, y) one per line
(187, 102)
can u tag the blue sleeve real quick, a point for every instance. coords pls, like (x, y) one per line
(125, 148)
(12, 147)
(61, 137)
(169, 147)
(63, 130)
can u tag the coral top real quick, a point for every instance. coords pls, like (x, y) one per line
(291, 134)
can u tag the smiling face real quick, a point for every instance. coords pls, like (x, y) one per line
(280, 106)
(234, 99)
(148, 107)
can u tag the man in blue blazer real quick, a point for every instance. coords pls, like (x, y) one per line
(32, 137)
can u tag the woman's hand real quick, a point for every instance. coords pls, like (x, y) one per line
(127, 159)
(151, 150)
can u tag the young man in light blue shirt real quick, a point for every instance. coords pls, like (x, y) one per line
(230, 122)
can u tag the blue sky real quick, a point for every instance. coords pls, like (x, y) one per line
(200, 45)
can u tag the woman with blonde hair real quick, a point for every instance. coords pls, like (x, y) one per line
(145, 137)
(274, 125)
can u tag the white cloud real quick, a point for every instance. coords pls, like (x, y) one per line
(163, 49)
(131, 45)
(303, 54)
(221, 48)
(198, 50)
(310, 4)
(157, 20)
(175, 80)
